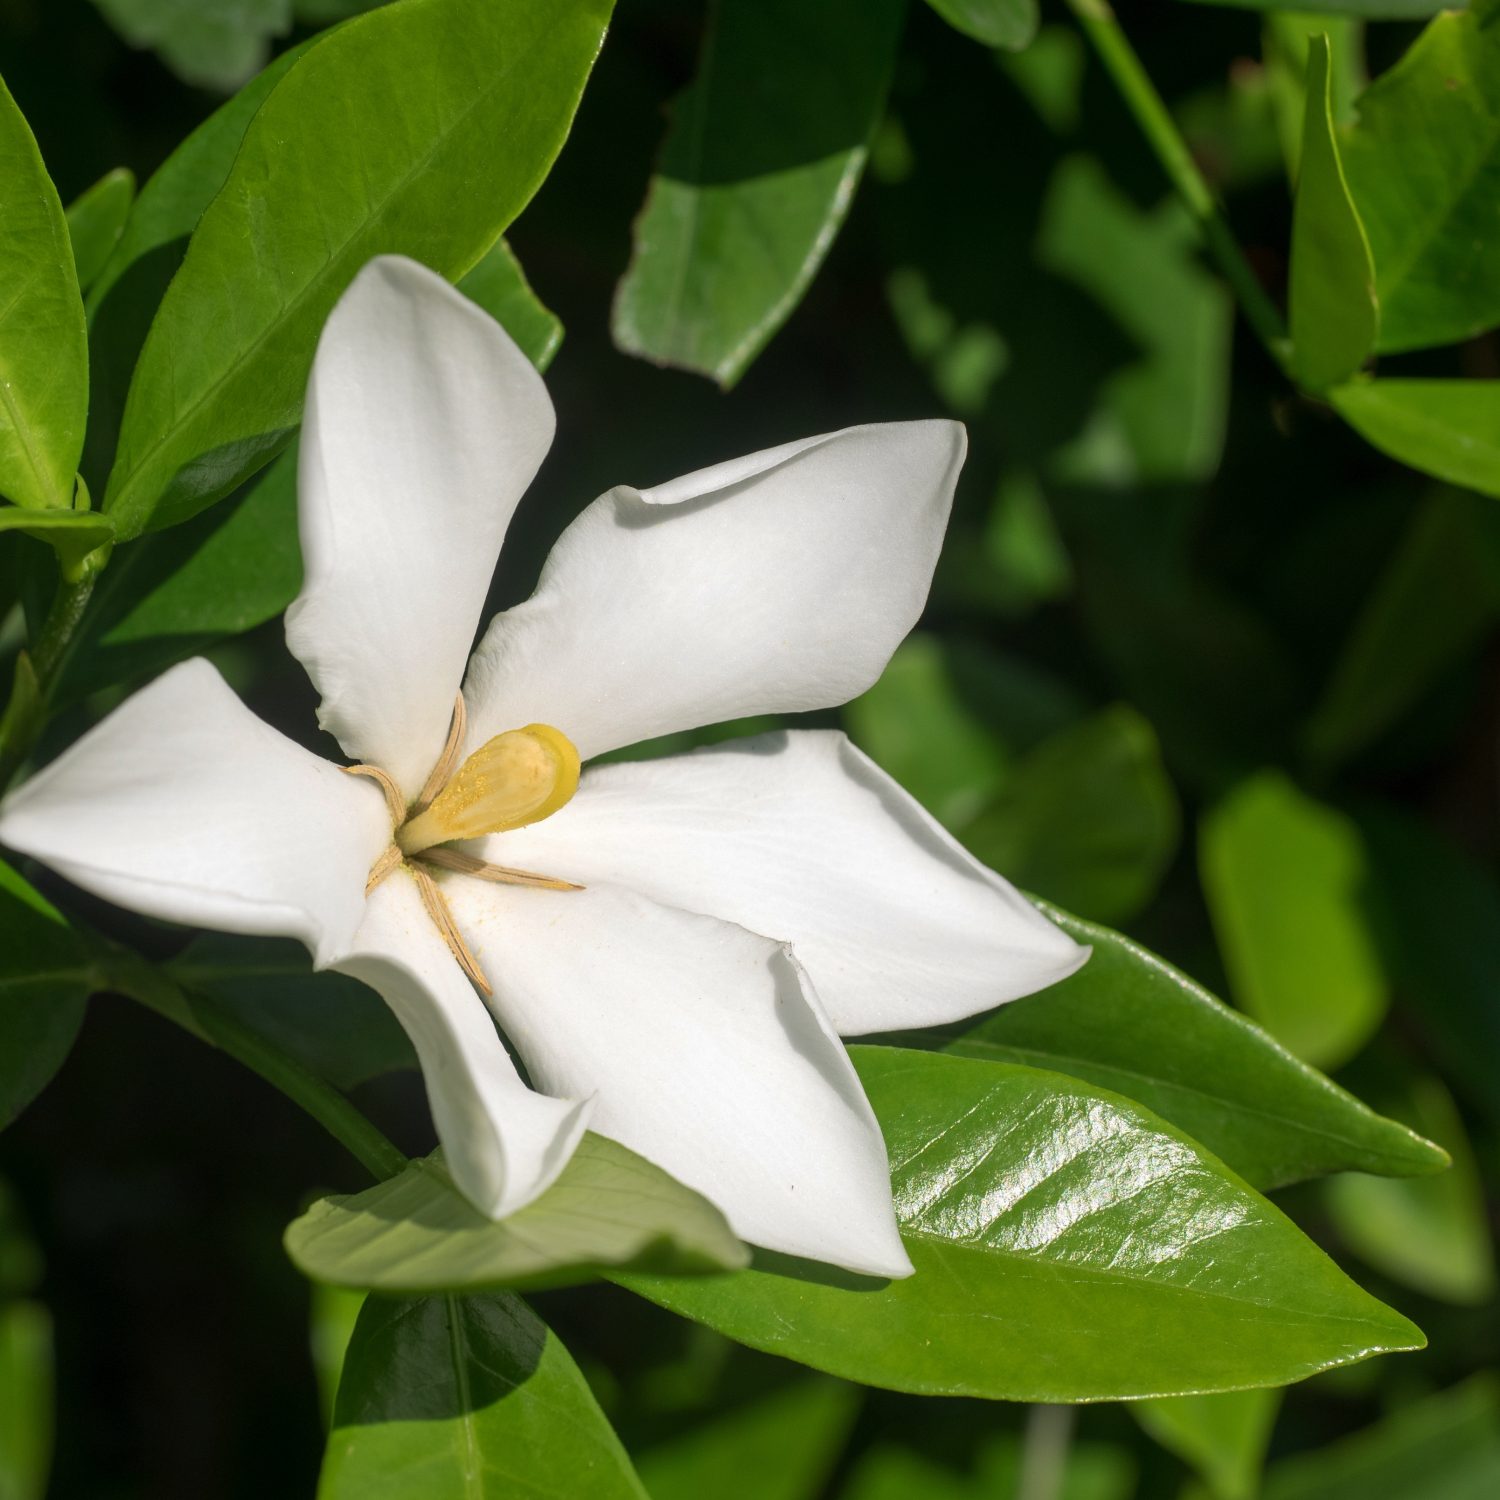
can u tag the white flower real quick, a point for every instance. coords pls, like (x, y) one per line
(737, 908)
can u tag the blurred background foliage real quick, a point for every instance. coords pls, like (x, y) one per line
(1199, 663)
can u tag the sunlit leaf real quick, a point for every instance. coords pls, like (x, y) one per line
(1193, 1061)
(1424, 165)
(1284, 877)
(1447, 428)
(1068, 1246)
(96, 219)
(417, 1233)
(384, 137)
(44, 370)
(466, 1398)
(1332, 308)
(761, 162)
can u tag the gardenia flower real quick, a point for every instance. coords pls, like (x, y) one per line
(672, 946)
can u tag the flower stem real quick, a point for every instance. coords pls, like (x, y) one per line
(1044, 1452)
(212, 1022)
(1141, 98)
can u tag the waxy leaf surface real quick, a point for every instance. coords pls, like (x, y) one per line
(1130, 1022)
(417, 1233)
(96, 220)
(759, 167)
(1068, 1246)
(1447, 428)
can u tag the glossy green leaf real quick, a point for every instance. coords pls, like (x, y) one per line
(1068, 1245)
(72, 534)
(1424, 165)
(758, 170)
(215, 44)
(1444, 1448)
(26, 1400)
(1447, 428)
(1223, 1437)
(1193, 1061)
(1088, 819)
(417, 1233)
(44, 369)
(782, 1446)
(1284, 877)
(1433, 1235)
(1435, 601)
(96, 220)
(404, 131)
(467, 1398)
(499, 286)
(335, 1026)
(1285, 39)
(1331, 297)
(45, 978)
(1161, 418)
(997, 23)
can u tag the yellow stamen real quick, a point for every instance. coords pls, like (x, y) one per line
(446, 761)
(519, 777)
(383, 867)
(437, 908)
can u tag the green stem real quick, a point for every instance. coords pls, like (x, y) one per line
(212, 1022)
(1144, 102)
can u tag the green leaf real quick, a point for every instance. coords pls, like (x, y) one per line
(44, 369)
(96, 220)
(1447, 428)
(467, 1398)
(72, 534)
(1068, 1245)
(1435, 601)
(335, 1026)
(756, 176)
(1332, 308)
(1088, 819)
(915, 724)
(1434, 1234)
(26, 1417)
(1161, 418)
(1444, 1448)
(405, 130)
(778, 1447)
(216, 44)
(1424, 165)
(997, 23)
(1285, 39)
(332, 1314)
(1195, 1062)
(609, 1209)
(1284, 877)
(239, 564)
(1223, 1437)
(1001, 1467)
(45, 978)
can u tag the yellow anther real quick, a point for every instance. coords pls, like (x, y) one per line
(519, 777)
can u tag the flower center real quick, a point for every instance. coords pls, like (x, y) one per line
(519, 777)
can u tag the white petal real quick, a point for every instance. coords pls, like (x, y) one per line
(705, 1051)
(503, 1143)
(183, 805)
(424, 425)
(779, 582)
(801, 837)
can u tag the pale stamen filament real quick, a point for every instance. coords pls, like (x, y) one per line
(516, 778)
